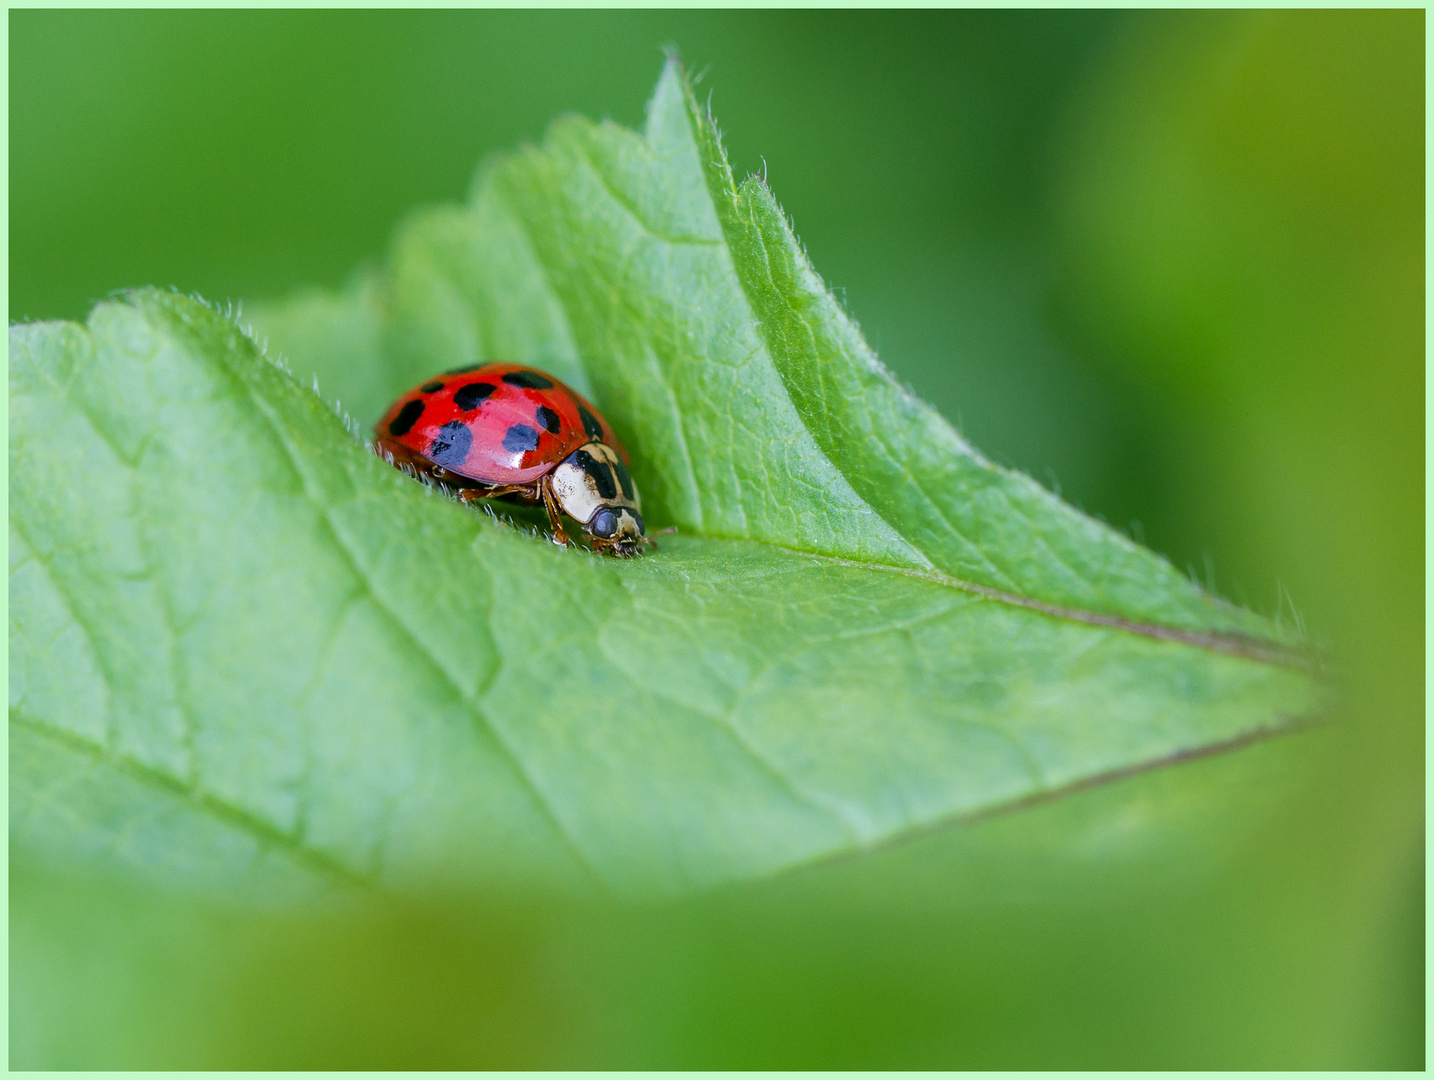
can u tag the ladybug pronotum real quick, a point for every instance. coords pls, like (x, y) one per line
(513, 432)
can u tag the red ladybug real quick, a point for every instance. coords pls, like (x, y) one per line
(510, 431)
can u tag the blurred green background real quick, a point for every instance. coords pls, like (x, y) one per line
(241, 155)
(1169, 263)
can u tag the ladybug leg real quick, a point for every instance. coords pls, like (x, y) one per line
(474, 494)
(550, 504)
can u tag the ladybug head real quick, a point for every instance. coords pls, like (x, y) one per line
(619, 530)
(592, 486)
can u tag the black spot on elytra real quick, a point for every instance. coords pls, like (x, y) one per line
(431, 387)
(520, 438)
(450, 446)
(600, 473)
(549, 419)
(529, 379)
(472, 395)
(620, 471)
(590, 424)
(407, 416)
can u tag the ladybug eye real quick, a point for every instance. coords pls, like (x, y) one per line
(603, 524)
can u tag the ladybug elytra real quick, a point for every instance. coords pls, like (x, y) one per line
(513, 432)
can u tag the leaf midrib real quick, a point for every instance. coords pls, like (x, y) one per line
(1219, 641)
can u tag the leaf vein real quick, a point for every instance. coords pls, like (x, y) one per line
(221, 810)
(514, 763)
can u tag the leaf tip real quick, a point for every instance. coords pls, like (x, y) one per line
(673, 91)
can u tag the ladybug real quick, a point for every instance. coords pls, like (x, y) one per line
(513, 432)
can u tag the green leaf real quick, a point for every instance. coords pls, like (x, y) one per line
(249, 656)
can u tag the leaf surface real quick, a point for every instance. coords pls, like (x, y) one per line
(248, 655)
